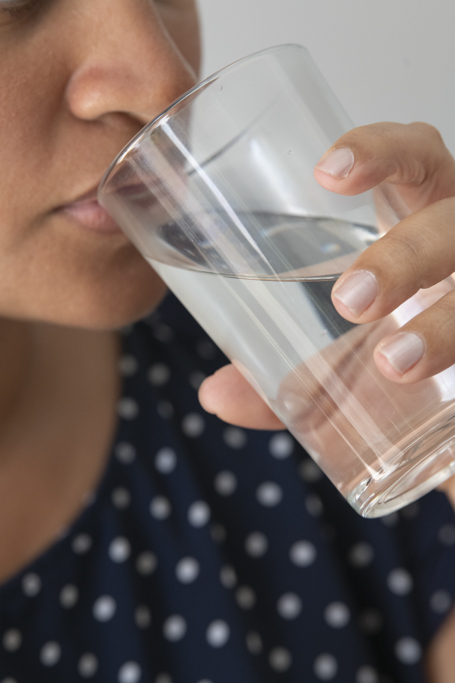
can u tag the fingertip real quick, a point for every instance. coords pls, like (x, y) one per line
(207, 394)
(400, 353)
(336, 163)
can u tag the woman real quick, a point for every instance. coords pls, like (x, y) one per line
(142, 540)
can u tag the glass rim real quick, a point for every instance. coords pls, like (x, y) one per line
(165, 114)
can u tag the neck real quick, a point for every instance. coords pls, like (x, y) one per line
(16, 351)
(58, 394)
(49, 377)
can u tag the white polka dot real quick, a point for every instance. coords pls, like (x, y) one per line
(441, 602)
(81, 544)
(130, 672)
(69, 595)
(256, 544)
(160, 507)
(337, 614)
(125, 452)
(104, 608)
(31, 584)
(225, 483)
(119, 549)
(314, 505)
(289, 606)
(206, 349)
(234, 437)
(408, 650)
(193, 425)
(302, 553)
(217, 633)
(269, 494)
(366, 674)
(174, 628)
(245, 597)
(325, 667)
(87, 665)
(360, 555)
(146, 563)
(198, 513)
(128, 365)
(187, 570)
(410, 511)
(163, 678)
(142, 616)
(165, 409)
(370, 621)
(163, 333)
(165, 460)
(228, 577)
(281, 446)
(50, 653)
(196, 378)
(400, 581)
(158, 374)
(390, 520)
(280, 659)
(12, 640)
(309, 471)
(120, 497)
(127, 408)
(218, 533)
(254, 643)
(446, 534)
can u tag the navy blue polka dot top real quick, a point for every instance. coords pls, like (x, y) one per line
(213, 554)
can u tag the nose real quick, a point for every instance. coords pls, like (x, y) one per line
(126, 61)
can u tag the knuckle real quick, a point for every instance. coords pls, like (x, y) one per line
(428, 131)
(446, 307)
(409, 254)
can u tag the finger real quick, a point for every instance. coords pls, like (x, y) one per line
(449, 489)
(229, 396)
(419, 349)
(412, 155)
(417, 253)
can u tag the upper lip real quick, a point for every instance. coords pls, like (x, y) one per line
(89, 196)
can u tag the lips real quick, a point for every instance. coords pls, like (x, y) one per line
(88, 214)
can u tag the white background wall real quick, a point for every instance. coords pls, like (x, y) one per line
(385, 59)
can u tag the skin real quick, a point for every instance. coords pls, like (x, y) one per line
(77, 81)
(416, 253)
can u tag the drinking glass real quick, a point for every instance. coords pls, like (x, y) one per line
(218, 194)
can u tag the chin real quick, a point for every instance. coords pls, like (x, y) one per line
(113, 308)
(88, 293)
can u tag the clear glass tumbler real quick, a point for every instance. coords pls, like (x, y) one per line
(218, 194)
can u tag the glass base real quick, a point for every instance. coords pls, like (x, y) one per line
(422, 466)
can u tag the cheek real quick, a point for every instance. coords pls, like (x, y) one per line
(182, 23)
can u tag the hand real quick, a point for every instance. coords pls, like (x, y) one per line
(417, 253)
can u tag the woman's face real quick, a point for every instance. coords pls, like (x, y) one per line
(78, 78)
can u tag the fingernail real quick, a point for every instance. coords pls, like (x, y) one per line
(358, 291)
(337, 163)
(403, 351)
